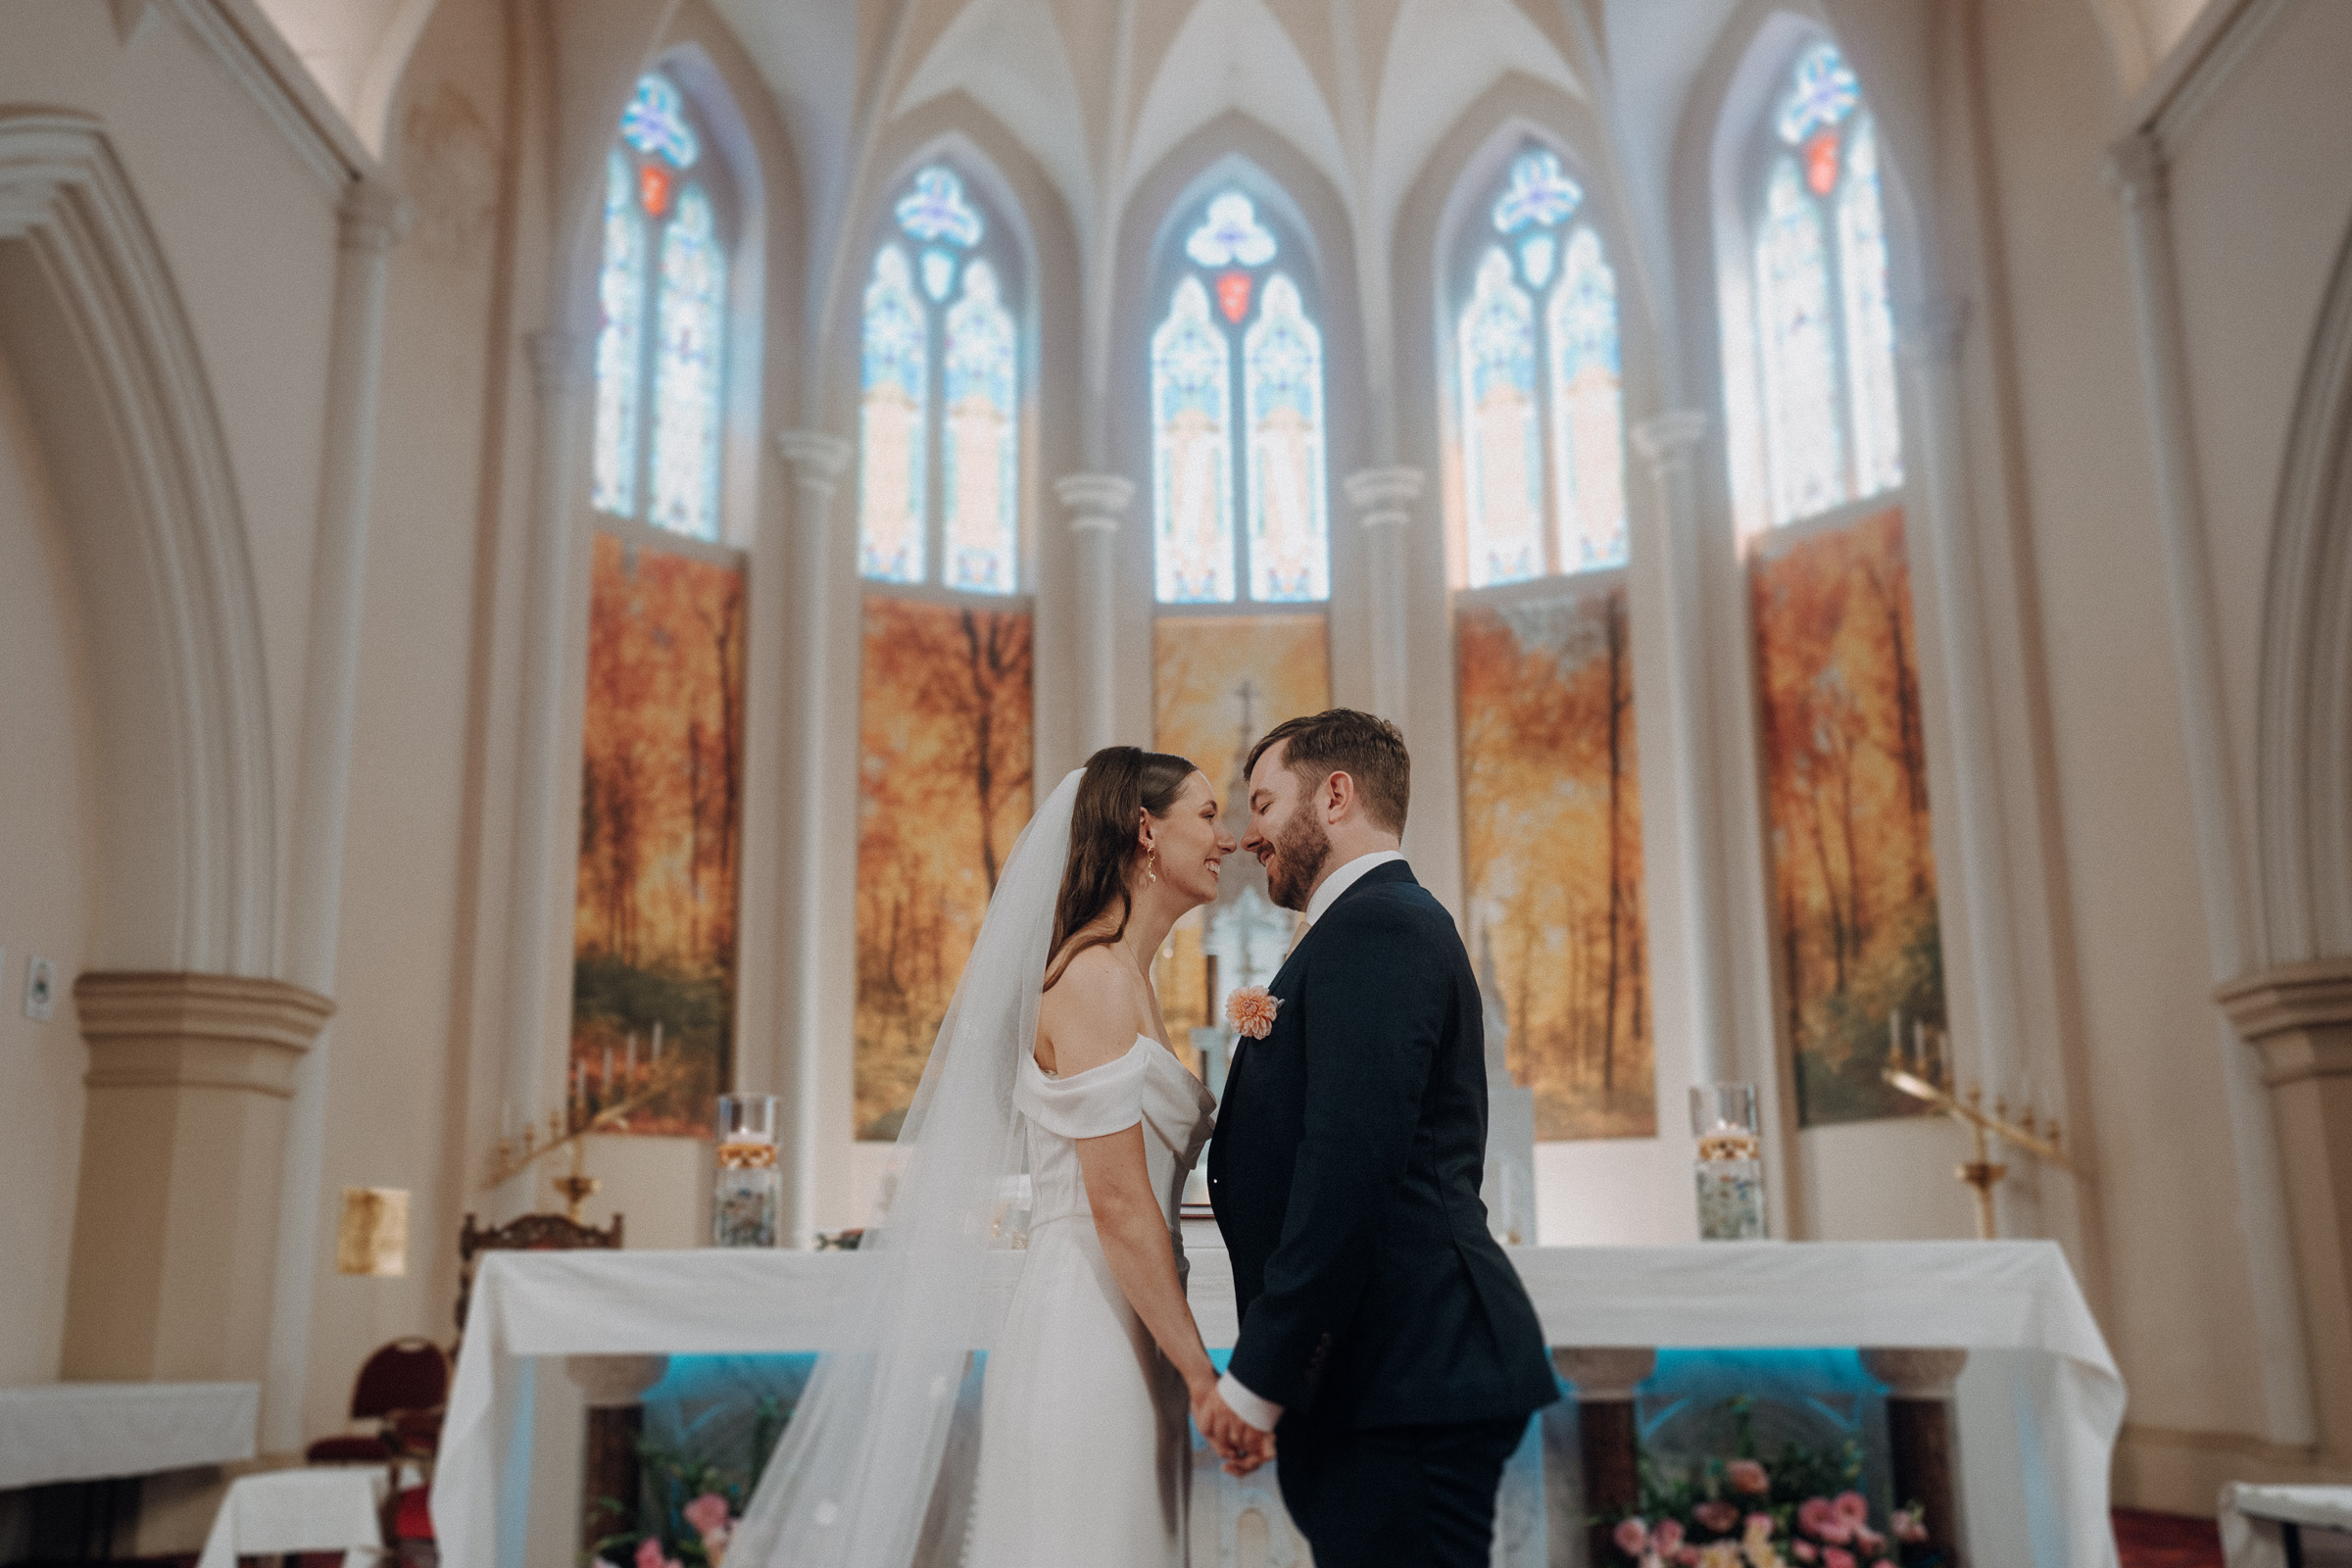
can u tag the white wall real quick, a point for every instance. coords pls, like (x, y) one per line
(45, 826)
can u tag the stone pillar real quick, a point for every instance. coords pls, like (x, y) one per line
(1097, 503)
(1670, 441)
(1919, 1431)
(1384, 498)
(176, 1223)
(374, 217)
(817, 461)
(559, 370)
(2136, 172)
(610, 1481)
(2299, 1017)
(1606, 1378)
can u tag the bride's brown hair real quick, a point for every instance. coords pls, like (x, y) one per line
(1120, 781)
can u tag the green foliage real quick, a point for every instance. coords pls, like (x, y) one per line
(669, 1480)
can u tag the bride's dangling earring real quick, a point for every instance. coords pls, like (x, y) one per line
(1152, 867)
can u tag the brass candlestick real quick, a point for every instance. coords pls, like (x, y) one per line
(515, 1155)
(1967, 1106)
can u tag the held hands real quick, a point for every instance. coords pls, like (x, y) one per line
(1239, 1444)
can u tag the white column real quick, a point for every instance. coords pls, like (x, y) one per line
(1930, 350)
(1669, 441)
(2136, 172)
(1096, 502)
(1384, 499)
(817, 462)
(558, 368)
(374, 218)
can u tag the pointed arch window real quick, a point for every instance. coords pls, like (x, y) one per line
(1823, 330)
(1539, 382)
(661, 293)
(1237, 515)
(940, 395)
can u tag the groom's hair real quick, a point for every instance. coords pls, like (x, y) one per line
(1365, 746)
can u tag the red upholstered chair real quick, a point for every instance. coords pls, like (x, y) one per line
(402, 1388)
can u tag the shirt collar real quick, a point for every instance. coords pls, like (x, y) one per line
(1346, 877)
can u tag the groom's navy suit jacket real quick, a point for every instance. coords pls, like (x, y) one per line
(1350, 1145)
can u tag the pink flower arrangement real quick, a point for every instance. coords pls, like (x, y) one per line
(649, 1555)
(712, 1519)
(1836, 1557)
(1717, 1515)
(1747, 1476)
(1631, 1536)
(1250, 1010)
(1667, 1536)
(1905, 1524)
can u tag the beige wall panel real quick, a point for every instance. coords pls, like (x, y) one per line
(45, 780)
(2183, 1304)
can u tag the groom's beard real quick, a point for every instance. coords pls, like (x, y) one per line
(1299, 852)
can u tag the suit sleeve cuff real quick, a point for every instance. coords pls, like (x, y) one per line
(1264, 1414)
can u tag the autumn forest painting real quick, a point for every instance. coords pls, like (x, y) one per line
(1845, 782)
(1552, 851)
(945, 786)
(661, 815)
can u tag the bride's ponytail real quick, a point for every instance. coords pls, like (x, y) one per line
(1120, 782)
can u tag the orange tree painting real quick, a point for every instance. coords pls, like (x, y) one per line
(1219, 682)
(1552, 850)
(660, 808)
(944, 788)
(1846, 783)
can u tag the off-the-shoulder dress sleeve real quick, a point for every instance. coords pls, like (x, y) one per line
(1093, 1103)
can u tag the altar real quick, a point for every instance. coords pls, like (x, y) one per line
(2037, 1408)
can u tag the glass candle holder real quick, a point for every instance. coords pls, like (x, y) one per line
(1730, 1169)
(750, 1195)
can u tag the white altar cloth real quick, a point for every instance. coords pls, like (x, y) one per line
(94, 1431)
(2037, 1411)
(281, 1511)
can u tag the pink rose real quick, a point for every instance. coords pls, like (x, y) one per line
(1688, 1557)
(649, 1554)
(1749, 1476)
(1667, 1536)
(708, 1514)
(1836, 1557)
(1758, 1525)
(1718, 1515)
(1869, 1541)
(1633, 1535)
(1852, 1507)
(1814, 1514)
(1250, 1010)
(1907, 1524)
(1805, 1551)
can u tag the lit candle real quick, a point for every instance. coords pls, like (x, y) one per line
(1894, 1038)
(656, 1040)
(1919, 1046)
(632, 1058)
(607, 1072)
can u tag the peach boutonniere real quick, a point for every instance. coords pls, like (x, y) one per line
(1250, 1010)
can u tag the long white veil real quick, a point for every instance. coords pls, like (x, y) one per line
(851, 1482)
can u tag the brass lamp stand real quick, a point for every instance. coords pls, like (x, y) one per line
(515, 1155)
(1967, 1107)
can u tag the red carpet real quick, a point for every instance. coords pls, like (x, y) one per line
(2166, 1540)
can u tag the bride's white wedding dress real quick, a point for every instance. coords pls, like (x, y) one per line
(1085, 1451)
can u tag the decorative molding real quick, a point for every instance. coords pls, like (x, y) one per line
(1385, 496)
(2135, 170)
(2298, 1015)
(206, 1031)
(1915, 1372)
(614, 1382)
(265, 67)
(1096, 501)
(2303, 724)
(2189, 78)
(1604, 1372)
(374, 215)
(190, 817)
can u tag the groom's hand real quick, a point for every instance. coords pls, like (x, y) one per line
(1239, 1444)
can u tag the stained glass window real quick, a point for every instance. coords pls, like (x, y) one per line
(983, 507)
(620, 298)
(1192, 453)
(1588, 408)
(1236, 332)
(897, 379)
(1502, 458)
(1539, 383)
(661, 292)
(1824, 332)
(938, 306)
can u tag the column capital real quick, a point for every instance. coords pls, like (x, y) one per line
(374, 215)
(1931, 332)
(817, 456)
(1915, 1374)
(1096, 501)
(614, 1381)
(1605, 1371)
(1385, 496)
(180, 1030)
(559, 358)
(2134, 169)
(1667, 438)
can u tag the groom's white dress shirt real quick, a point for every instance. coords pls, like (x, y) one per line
(1259, 1412)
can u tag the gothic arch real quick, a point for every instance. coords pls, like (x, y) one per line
(126, 424)
(2303, 765)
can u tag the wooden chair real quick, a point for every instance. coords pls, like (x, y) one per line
(402, 1388)
(531, 1232)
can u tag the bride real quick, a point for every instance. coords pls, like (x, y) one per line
(1052, 1063)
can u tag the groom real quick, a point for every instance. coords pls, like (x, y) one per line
(1385, 1337)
